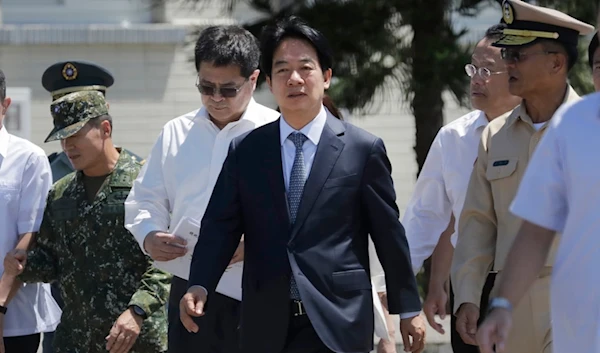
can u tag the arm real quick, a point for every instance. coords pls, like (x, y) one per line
(221, 228)
(476, 244)
(382, 218)
(441, 260)
(387, 346)
(429, 208)
(147, 207)
(35, 186)
(153, 290)
(542, 202)
(437, 294)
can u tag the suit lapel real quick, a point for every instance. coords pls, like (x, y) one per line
(329, 149)
(274, 171)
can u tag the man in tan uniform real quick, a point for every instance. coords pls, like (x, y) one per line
(539, 48)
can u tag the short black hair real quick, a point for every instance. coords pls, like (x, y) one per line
(228, 45)
(495, 32)
(293, 27)
(592, 48)
(2, 86)
(97, 122)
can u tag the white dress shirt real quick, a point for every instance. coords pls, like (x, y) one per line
(442, 185)
(313, 131)
(561, 191)
(178, 177)
(25, 179)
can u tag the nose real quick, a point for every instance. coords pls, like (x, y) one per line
(295, 79)
(477, 80)
(217, 97)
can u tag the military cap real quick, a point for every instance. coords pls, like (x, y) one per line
(73, 76)
(72, 111)
(527, 23)
(593, 47)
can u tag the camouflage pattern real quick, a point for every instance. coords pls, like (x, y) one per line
(97, 263)
(73, 111)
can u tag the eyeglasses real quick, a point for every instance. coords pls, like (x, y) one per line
(484, 72)
(516, 56)
(225, 92)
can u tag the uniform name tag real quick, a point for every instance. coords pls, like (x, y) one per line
(500, 163)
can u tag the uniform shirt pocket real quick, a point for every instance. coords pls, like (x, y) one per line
(500, 168)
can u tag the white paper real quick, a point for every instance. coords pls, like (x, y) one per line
(381, 329)
(188, 229)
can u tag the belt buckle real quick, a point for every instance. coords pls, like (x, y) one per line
(299, 305)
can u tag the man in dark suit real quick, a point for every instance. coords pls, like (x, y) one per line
(306, 191)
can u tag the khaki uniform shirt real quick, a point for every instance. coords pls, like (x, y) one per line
(486, 226)
(99, 266)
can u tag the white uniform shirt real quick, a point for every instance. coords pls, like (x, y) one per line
(25, 179)
(561, 191)
(178, 177)
(441, 187)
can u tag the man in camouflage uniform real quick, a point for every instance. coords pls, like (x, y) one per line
(114, 299)
(66, 77)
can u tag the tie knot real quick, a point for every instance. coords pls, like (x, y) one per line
(298, 139)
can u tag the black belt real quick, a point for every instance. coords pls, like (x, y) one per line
(297, 308)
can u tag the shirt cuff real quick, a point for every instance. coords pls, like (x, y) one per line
(409, 315)
(201, 287)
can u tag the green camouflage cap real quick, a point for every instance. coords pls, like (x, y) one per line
(73, 111)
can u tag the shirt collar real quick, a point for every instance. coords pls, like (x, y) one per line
(520, 112)
(481, 121)
(4, 136)
(250, 115)
(312, 130)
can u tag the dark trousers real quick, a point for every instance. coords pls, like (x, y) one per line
(458, 346)
(49, 336)
(218, 328)
(302, 338)
(22, 344)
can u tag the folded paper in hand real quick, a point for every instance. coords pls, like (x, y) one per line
(188, 229)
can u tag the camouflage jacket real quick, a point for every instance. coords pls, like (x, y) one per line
(98, 264)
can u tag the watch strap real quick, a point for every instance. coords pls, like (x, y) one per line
(3, 309)
(499, 303)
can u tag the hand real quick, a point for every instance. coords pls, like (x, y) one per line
(494, 330)
(435, 303)
(164, 247)
(192, 304)
(466, 322)
(124, 332)
(14, 262)
(413, 327)
(385, 346)
(239, 254)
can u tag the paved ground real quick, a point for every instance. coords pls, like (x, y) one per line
(436, 343)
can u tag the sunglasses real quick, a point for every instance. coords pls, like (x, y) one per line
(517, 56)
(225, 92)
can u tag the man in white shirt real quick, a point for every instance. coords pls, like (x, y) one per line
(559, 194)
(441, 187)
(25, 179)
(180, 173)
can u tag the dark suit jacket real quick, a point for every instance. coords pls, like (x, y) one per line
(348, 195)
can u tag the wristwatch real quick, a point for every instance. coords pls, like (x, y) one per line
(139, 311)
(2, 309)
(499, 303)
